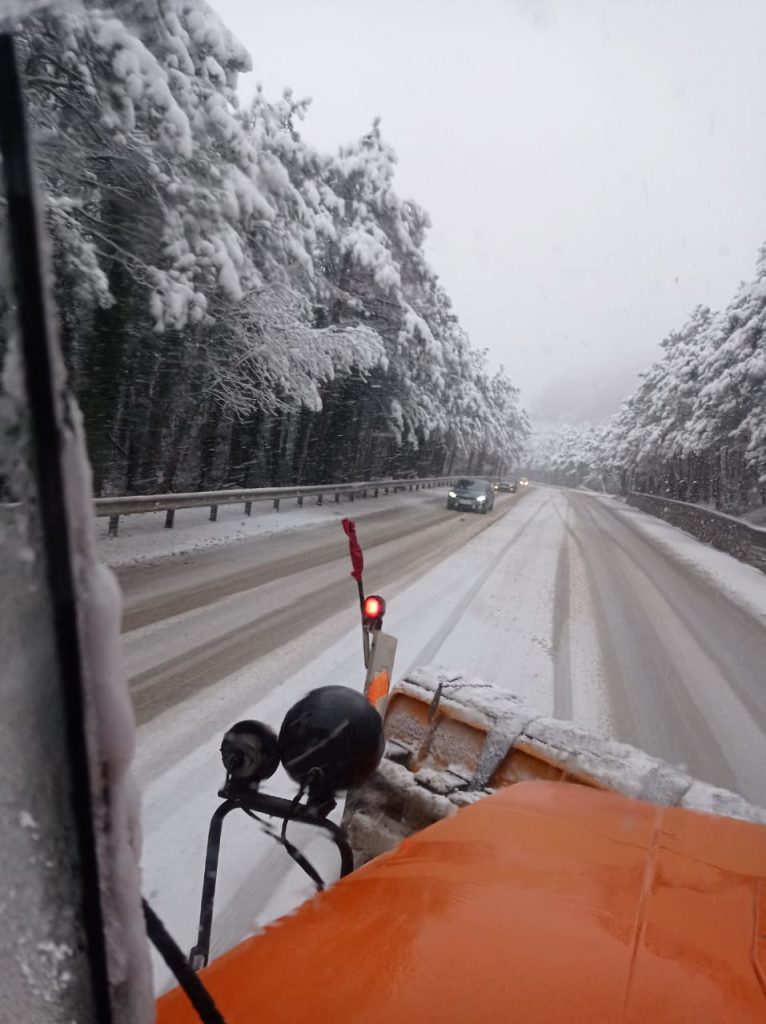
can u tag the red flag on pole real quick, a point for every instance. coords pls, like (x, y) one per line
(357, 557)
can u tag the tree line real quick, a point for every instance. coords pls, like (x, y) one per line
(237, 307)
(695, 428)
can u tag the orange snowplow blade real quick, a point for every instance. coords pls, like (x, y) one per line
(543, 902)
(451, 741)
(442, 735)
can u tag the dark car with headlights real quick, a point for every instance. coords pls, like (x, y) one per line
(471, 495)
(506, 486)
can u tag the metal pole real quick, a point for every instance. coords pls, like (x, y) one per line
(199, 954)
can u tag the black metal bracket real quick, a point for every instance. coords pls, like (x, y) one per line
(254, 803)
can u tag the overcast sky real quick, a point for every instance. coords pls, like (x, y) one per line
(593, 169)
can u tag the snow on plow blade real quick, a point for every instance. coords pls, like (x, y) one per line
(451, 741)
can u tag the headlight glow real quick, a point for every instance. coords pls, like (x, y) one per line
(452, 494)
(482, 497)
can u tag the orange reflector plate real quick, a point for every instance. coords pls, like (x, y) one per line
(378, 687)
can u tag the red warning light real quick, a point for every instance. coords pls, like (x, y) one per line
(374, 607)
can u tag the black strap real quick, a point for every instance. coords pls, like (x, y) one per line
(295, 853)
(186, 977)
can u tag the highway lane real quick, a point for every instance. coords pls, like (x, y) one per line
(558, 596)
(615, 628)
(685, 666)
(189, 624)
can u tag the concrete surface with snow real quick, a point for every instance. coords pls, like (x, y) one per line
(584, 609)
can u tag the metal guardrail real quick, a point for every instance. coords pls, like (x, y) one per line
(170, 503)
(735, 536)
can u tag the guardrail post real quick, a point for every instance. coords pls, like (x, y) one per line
(169, 517)
(364, 493)
(337, 497)
(351, 495)
(114, 525)
(213, 513)
(410, 486)
(319, 499)
(386, 491)
(375, 493)
(417, 487)
(276, 504)
(300, 501)
(248, 508)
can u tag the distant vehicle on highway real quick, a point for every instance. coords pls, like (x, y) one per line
(471, 495)
(523, 482)
(506, 486)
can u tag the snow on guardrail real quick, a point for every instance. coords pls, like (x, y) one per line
(170, 503)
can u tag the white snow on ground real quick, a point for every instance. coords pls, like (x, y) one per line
(500, 627)
(143, 538)
(488, 610)
(589, 679)
(743, 584)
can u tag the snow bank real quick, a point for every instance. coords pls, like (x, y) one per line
(743, 585)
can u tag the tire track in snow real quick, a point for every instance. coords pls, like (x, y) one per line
(244, 566)
(562, 653)
(432, 648)
(667, 694)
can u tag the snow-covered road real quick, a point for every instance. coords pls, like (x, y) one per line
(681, 665)
(191, 624)
(585, 608)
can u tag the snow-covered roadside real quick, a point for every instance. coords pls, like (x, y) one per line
(743, 585)
(143, 538)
